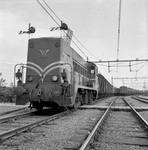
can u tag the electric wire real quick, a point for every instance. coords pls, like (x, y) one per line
(73, 35)
(131, 65)
(85, 48)
(79, 48)
(51, 10)
(77, 39)
(116, 65)
(48, 12)
(143, 55)
(142, 66)
(59, 26)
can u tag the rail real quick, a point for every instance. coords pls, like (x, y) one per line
(141, 99)
(5, 119)
(13, 132)
(144, 122)
(89, 139)
(11, 111)
(87, 143)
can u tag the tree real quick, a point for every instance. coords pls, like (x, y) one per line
(6, 93)
(2, 82)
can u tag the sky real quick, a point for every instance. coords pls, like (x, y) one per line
(93, 22)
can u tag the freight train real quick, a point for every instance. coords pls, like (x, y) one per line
(124, 90)
(57, 76)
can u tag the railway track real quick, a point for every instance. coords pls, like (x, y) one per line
(14, 125)
(7, 118)
(140, 97)
(12, 111)
(144, 100)
(113, 129)
(118, 130)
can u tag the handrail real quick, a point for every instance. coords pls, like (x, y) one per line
(21, 64)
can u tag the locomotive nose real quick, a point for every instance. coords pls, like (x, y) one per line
(57, 91)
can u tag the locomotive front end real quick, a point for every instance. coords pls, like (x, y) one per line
(42, 74)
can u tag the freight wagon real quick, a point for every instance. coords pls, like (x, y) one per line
(106, 89)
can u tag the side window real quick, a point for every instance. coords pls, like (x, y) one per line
(76, 68)
(85, 73)
(80, 70)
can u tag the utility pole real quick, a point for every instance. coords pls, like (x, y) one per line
(119, 29)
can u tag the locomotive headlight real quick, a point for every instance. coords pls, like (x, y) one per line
(29, 78)
(54, 78)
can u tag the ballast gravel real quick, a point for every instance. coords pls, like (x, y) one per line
(9, 107)
(136, 103)
(65, 132)
(144, 114)
(104, 101)
(115, 128)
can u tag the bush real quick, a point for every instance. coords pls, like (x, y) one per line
(7, 94)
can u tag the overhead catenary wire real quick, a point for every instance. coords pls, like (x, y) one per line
(85, 47)
(142, 66)
(119, 64)
(143, 55)
(51, 10)
(57, 18)
(48, 13)
(59, 26)
(73, 35)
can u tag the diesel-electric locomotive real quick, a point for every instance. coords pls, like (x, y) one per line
(55, 75)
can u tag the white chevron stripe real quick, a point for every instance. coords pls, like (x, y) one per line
(34, 70)
(57, 62)
(43, 70)
(37, 66)
(59, 66)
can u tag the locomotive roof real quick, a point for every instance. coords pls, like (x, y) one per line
(46, 38)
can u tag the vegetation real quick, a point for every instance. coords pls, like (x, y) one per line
(6, 93)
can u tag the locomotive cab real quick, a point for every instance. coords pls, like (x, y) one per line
(41, 80)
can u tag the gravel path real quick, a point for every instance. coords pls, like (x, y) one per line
(55, 135)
